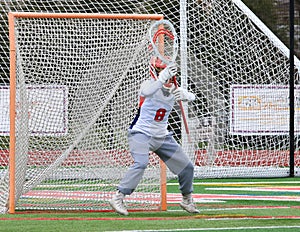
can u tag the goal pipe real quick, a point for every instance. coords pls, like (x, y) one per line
(12, 106)
(292, 86)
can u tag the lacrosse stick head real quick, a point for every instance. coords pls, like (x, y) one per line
(164, 42)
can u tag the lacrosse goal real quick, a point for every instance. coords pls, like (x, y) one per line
(74, 84)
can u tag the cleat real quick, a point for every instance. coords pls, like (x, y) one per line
(188, 205)
(117, 203)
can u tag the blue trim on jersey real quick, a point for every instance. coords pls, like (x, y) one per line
(135, 118)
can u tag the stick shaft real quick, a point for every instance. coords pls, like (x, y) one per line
(183, 113)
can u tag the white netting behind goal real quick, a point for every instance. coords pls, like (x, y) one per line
(241, 118)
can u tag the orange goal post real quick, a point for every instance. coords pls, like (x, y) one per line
(74, 79)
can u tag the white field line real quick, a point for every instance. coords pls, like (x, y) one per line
(175, 184)
(258, 189)
(198, 197)
(171, 197)
(246, 197)
(242, 208)
(217, 229)
(240, 183)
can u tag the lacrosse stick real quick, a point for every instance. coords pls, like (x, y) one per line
(164, 43)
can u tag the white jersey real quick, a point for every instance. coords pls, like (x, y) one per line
(154, 111)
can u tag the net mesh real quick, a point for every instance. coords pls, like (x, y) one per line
(77, 91)
(238, 123)
(240, 129)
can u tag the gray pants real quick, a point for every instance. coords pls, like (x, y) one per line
(168, 150)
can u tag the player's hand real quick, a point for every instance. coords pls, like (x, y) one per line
(181, 94)
(167, 73)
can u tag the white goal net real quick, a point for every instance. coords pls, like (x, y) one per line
(77, 79)
(77, 85)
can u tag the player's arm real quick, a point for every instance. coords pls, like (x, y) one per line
(149, 87)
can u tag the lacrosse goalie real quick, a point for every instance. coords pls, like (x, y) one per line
(148, 132)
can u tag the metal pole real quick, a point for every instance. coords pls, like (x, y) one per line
(292, 98)
(184, 68)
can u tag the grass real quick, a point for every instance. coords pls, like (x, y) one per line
(222, 215)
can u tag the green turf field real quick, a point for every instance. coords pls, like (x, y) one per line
(225, 205)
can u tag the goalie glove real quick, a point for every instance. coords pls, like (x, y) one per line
(167, 73)
(181, 94)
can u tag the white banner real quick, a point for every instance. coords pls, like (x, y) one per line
(262, 110)
(47, 107)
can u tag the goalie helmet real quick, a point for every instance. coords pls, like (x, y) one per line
(156, 65)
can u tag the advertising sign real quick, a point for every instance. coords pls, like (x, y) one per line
(262, 110)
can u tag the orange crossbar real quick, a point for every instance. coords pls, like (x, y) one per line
(86, 15)
(12, 146)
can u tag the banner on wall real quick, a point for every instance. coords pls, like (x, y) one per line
(262, 110)
(46, 107)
